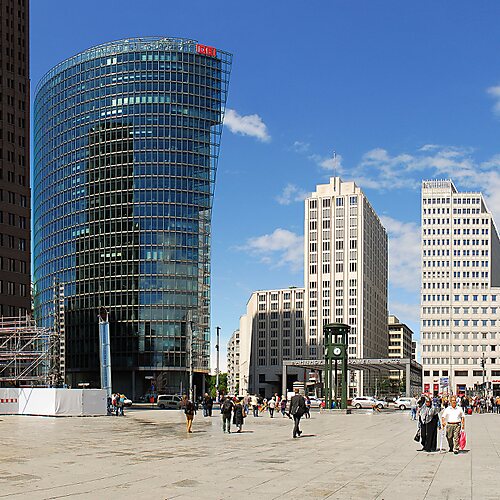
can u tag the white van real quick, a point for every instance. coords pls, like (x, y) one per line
(169, 402)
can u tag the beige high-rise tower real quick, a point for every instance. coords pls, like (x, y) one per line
(345, 274)
(460, 292)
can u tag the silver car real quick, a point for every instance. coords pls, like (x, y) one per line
(368, 402)
(403, 403)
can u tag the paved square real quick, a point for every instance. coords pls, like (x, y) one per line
(147, 454)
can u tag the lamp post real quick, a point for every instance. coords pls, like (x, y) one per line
(217, 367)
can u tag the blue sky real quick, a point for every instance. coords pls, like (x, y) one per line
(400, 90)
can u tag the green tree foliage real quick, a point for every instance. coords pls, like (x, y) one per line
(222, 384)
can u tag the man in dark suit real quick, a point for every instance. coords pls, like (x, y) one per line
(297, 409)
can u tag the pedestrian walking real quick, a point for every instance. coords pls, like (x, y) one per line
(238, 414)
(453, 420)
(271, 405)
(246, 401)
(307, 414)
(297, 410)
(189, 411)
(227, 407)
(413, 406)
(283, 406)
(255, 405)
(208, 404)
(428, 422)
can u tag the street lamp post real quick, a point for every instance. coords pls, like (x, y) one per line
(217, 368)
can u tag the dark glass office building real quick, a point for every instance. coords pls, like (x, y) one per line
(126, 142)
(15, 234)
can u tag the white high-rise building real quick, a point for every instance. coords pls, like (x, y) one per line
(345, 273)
(233, 363)
(460, 292)
(271, 331)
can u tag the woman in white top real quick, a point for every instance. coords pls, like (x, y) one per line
(453, 420)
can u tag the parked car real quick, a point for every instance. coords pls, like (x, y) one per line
(403, 403)
(315, 402)
(166, 401)
(368, 402)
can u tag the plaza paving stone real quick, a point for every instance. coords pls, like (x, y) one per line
(148, 455)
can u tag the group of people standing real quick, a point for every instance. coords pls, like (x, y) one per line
(235, 410)
(430, 418)
(275, 404)
(116, 404)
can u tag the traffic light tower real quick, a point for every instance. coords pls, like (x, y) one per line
(336, 337)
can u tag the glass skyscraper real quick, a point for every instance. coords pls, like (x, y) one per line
(126, 142)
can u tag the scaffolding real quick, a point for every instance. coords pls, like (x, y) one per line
(29, 355)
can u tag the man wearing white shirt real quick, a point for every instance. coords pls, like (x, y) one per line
(453, 420)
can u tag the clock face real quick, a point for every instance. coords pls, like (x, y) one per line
(337, 351)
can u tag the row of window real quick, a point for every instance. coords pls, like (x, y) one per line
(9, 241)
(12, 288)
(12, 197)
(456, 201)
(461, 373)
(457, 361)
(458, 335)
(14, 220)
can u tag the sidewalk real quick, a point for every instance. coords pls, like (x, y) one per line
(147, 454)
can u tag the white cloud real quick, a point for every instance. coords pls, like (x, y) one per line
(250, 125)
(290, 194)
(380, 170)
(300, 147)
(404, 253)
(495, 94)
(334, 164)
(280, 248)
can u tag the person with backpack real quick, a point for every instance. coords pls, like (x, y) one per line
(297, 410)
(189, 411)
(227, 408)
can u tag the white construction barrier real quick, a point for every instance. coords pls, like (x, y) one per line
(54, 402)
(9, 401)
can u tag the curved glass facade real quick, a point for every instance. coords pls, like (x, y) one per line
(126, 141)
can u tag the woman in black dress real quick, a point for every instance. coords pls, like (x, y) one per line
(428, 420)
(238, 415)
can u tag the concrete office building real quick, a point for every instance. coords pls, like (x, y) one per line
(345, 274)
(399, 338)
(415, 347)
(127, 137)
(233, 363)
(271, 331)
(400, 343)
(15, 233)
(460, 292)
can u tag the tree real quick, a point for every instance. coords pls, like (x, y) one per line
(211, 379)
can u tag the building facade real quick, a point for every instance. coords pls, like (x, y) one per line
(399, 338)
(400, 346)
(460, 292)
(127, 137)
(15, 197)
(271, 331)
(345, 274)
(233, 363)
